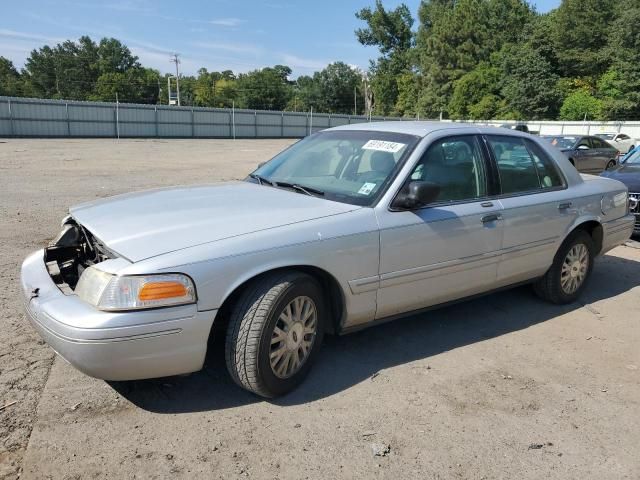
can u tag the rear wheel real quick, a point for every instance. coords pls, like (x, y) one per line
(567, 278)
(275, 332)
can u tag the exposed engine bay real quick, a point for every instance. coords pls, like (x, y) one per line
(71, 252)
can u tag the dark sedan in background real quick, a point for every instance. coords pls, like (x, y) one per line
(628, 172)
(589, 154)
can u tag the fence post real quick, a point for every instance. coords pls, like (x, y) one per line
(11, 128)
(282, 126)
(349, 120)
(233, 119)
(117, 118)
(255, 122)
(66, 108)
(311, 122)
(193, 123)
(155, 110)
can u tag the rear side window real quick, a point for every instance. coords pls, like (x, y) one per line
(597, 143)
(523, 167)
(547, 171)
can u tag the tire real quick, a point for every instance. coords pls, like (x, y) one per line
(550, 286)
(257, 319)
(611, 164)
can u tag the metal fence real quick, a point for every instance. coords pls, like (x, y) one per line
(27, 117)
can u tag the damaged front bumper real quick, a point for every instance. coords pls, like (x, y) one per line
(114, 345)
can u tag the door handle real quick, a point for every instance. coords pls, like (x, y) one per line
(494, 217)
(486, 204)
(565, 206)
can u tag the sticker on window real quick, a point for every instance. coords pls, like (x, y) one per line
(367, 188)
(383, 146)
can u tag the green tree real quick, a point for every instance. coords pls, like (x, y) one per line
(580, 105)
(265, 89)
(580, 33)
(10, 80)
(529, 84)
(475, 94)
(390, 31)
(620, 85)
(454, 37)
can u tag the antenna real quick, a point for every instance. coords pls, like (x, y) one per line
(176, 60)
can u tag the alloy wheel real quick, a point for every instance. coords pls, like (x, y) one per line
(293, 337)
(574, 268)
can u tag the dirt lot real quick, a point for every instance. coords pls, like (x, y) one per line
(501, 387)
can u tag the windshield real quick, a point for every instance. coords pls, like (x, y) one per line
(562, 142)
(350, 166)
(605, 136)
(633, 158)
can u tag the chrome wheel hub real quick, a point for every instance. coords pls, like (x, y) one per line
(574, 269)
(293, 337)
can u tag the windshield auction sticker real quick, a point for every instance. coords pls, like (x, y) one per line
(367, 188)
(383, 146)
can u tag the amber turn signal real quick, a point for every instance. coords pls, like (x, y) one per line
(161, 290)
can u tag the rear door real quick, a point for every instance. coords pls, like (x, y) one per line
(537, 208)
(606, 152)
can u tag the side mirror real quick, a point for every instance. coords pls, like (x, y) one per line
(583, 147)
(417, 194)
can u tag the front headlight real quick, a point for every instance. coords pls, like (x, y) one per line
(134, 292)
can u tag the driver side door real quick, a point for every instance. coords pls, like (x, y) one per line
(446, 250)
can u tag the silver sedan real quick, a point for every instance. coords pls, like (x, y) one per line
(347, 228)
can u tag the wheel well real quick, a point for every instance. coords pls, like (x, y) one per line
(330, 286)
(594, 229)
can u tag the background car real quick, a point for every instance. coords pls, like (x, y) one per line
(520, 127)
(620, 141)
(589, 154)
(628, 172)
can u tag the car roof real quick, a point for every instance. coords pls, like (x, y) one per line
(422, 129)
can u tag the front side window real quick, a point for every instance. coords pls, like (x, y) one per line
(350, 166)
(584, 144)
(456, 165)
(522, 169)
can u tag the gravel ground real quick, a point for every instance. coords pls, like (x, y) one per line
(505, 386)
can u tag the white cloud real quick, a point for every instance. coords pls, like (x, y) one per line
(230, 47)
(28, 36)
(303, 63)
(226, 22)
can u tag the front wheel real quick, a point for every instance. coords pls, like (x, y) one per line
(567, 278)
(275, 332)
(611, 164)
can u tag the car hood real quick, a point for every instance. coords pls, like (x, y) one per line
(627, 174)
(149, 223)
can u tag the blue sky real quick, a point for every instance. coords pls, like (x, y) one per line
(239, 35)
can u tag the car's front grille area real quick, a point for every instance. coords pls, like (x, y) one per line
(634, 207)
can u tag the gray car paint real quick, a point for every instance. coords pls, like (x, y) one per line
(384, 262)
